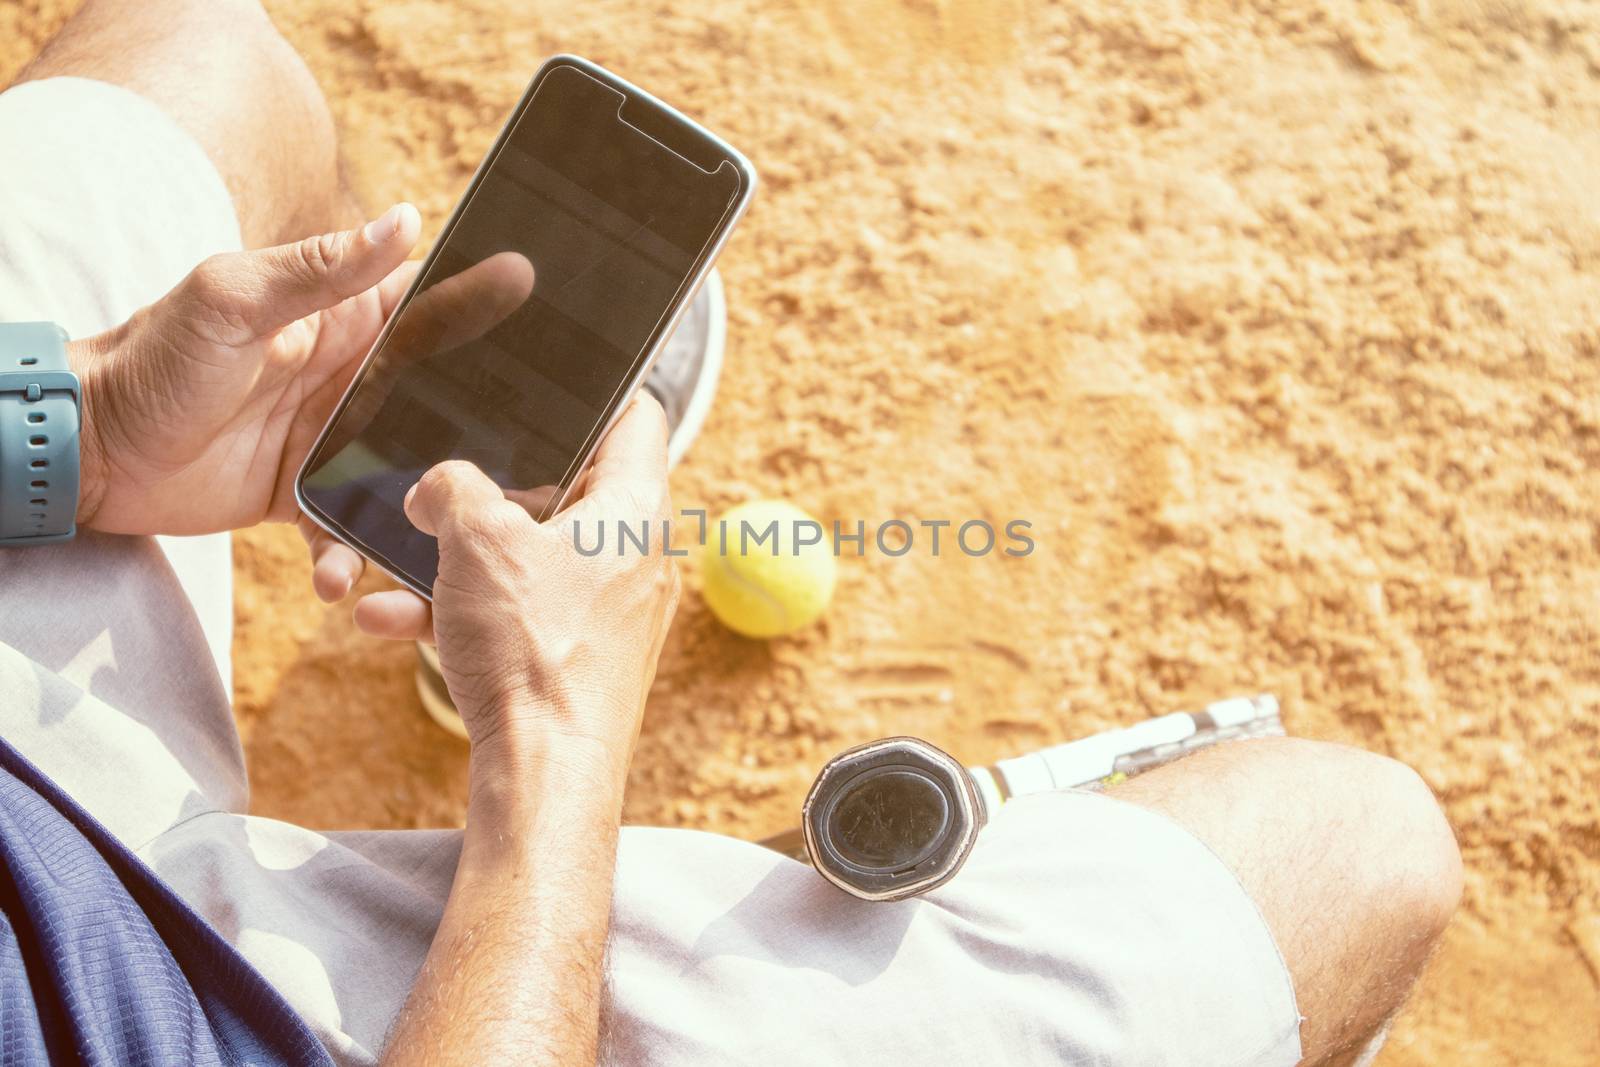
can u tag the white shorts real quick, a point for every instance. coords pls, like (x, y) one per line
(1083, 930)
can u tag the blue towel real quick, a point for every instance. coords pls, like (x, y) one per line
(101, 963)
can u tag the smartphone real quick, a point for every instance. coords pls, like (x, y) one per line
(583, 237)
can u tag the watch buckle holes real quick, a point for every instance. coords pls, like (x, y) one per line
(36, 416)
(39, 464)
(27, 361)
(39, 484)
(39, 502)
(38, 440)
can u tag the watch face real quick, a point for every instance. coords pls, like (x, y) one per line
(891, 819)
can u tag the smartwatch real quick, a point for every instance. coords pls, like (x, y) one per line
(38, 435)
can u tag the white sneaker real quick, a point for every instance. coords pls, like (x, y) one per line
(684, 377)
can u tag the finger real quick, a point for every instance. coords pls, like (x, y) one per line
(335, 566)
(449, 493)
(465, 306)
(395, 614)
(632, 460)
(292, 281)
(335, 571)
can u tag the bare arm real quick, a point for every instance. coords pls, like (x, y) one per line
(548, 656)
(515, 971)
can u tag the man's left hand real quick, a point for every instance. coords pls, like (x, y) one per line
(198, 411)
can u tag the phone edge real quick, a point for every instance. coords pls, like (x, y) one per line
(748, 182)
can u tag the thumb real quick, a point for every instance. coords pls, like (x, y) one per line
(294, 280)
(453, 494)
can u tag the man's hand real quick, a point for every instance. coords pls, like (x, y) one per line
(548, 655)
(535, 638)
(198, 411)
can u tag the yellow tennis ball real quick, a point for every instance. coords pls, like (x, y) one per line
(767, 568)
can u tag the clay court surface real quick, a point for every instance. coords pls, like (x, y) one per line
(1279, 322)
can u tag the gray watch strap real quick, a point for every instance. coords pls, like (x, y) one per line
(38, 435)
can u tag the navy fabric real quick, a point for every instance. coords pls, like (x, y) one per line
(101, 963)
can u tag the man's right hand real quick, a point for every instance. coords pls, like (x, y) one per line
(548, 653)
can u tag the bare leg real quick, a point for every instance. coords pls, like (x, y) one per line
(1349, 858)
(221, 70)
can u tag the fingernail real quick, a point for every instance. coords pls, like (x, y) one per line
(347, 585)
(384, 226)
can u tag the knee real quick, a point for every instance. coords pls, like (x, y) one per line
(268, 55)
(1425, 872)
(1409, 866)
(214, 65)
(285, 179)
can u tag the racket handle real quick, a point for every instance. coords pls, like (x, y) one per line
(1104, 759)
(897, 817)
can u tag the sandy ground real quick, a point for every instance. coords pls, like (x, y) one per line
(1280, 324)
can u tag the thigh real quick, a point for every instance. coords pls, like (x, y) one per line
(109, 203)
(1348, 855)
(113, 678)
(1082, 930)
(338, 922)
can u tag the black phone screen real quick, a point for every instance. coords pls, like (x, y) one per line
(531, 318)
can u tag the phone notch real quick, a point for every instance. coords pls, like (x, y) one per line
(655, 122)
